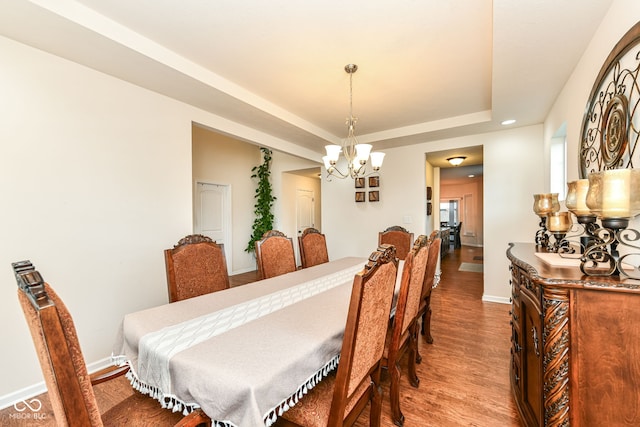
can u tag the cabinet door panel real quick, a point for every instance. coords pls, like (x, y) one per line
(606, 336)
(531, 359)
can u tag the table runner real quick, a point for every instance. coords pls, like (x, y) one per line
(247, 349)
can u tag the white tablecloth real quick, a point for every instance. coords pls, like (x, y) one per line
(243, 354)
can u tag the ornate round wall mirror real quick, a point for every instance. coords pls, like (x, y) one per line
(611, 122)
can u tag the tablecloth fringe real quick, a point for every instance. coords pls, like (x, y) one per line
(273, 415)
(166, 401)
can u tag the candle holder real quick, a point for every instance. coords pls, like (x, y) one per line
(558, 224)
(605, 249)
(613, 198)
(586, 221)
(544, 204)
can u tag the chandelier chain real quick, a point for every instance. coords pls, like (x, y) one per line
(356, 155)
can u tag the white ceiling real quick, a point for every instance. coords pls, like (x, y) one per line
(428, 69)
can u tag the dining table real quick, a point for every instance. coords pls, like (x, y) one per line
(246, 354)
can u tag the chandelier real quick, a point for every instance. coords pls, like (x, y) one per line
(355, 154)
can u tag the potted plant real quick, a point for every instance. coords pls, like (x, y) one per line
(263, 221)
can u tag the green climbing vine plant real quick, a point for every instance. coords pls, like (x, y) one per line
(263, 221)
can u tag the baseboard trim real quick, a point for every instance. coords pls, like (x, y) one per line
(243, 270)
(33, 390)
(492, 298)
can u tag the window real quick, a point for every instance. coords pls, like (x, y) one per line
(558, 163)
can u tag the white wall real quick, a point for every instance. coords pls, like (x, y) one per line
(573, 98)
(96, 181)
(288, 205)
(284, 185)
(512, 173)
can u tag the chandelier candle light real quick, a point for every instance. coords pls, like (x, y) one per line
(355, 154)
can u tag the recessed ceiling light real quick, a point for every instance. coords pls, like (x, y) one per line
(508, 122)
(470, 176)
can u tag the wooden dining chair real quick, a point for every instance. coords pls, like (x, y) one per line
(313, 248)
(455, 237)
(339, 399)
(429, 280)
(274, 254)
(399, 237)
(402, 335)
(70, 388)
(195, 266)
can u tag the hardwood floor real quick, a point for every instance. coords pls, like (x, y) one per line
(464, 375)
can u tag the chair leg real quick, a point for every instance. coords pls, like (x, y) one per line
(394, 395)
(412, 358)
(376, 405)
(418, 357)
(426, 321)
(428, 325)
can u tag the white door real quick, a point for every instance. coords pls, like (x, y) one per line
(213, 215)
(305, 210)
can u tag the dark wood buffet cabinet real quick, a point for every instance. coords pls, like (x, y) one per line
(575, 344)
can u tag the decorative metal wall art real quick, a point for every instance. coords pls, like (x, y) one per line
(611, 123)
(608, 155)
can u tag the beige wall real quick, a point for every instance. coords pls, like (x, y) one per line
(512, 173)
(224, 160)
(220, 159)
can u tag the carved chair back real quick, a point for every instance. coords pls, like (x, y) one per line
(195, 266)
(429, 283)
(54, 336)
(399, 237)
(357, 379)
(403, 329)
(313, 248)
(274, 254)
(69, 386)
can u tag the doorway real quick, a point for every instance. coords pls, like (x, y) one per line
(459, 198)
(305, 210)
(449, 212)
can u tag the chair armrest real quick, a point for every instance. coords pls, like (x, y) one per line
(108, 374)
(196, 418)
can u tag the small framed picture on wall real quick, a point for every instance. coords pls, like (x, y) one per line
(374, 196)
(359, 182)
(374, 181)
(429, 193)
(359, 196)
